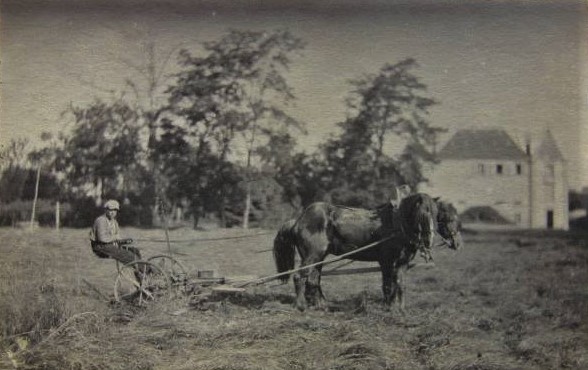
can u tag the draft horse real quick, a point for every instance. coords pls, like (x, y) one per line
(400, 232)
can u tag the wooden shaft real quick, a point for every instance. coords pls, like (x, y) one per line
(325, 262)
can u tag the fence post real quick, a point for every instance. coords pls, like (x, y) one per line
(57, 215)
(35, 199)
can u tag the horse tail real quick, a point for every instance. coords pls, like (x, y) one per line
(285, 249)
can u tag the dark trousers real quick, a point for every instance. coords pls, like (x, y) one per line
(124, 253)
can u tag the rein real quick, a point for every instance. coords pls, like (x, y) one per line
(441, 236)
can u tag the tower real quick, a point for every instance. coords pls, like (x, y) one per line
(548, 186)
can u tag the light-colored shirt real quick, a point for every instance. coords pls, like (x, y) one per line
(105, 230)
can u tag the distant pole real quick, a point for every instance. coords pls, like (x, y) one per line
(165, 216)
(35, 199)
(169, 251)
(247, 206)
(57, 215)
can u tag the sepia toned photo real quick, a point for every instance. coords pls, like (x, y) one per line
(248, 185)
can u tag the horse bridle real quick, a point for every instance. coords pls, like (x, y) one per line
(445, 241)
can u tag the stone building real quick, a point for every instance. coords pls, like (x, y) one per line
(486, 168)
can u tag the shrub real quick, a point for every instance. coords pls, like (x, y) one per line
(82, 213)
(484, 214)
(19, 211)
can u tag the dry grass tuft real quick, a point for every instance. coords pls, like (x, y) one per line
(31, 304)
(480, 364)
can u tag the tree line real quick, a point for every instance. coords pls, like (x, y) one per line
(219, 141)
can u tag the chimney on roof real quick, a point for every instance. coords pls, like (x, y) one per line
(528, 144)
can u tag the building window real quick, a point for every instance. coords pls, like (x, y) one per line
(519, 169)
(517, 218)
(481, 169)
(499, 169)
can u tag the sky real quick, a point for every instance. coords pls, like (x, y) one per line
(519, 64)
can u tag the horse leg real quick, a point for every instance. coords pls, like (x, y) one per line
(386, 270)
(311, 287)
(400, 288)
(322, 298)
(300, 278)
(396, 288)
(315, 294)
(307, 282)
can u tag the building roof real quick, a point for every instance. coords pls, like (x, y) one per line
(548, 149)
(482, 144)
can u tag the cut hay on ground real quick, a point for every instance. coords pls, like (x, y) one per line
(497, 304)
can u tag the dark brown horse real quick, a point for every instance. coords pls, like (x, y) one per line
(400, 232)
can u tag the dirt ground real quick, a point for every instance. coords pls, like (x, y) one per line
(507, 300)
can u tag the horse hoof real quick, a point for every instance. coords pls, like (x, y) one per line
(322, 307)
(300, 307)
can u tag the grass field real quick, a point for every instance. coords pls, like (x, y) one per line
(508, 300)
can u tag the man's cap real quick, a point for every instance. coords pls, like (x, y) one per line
(112, 204)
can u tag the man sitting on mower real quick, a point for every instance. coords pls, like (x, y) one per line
(105, 239)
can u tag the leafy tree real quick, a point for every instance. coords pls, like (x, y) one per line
(311, 181)
(187, 170)
(280, 163)
(49, 188)
(236, 91)
(13, 161)
(148, 87)
(101, 156)
(387, 107)
(14, 154)
(12, 183)
(144, 91)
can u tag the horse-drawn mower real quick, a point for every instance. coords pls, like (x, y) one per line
(146, 280)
